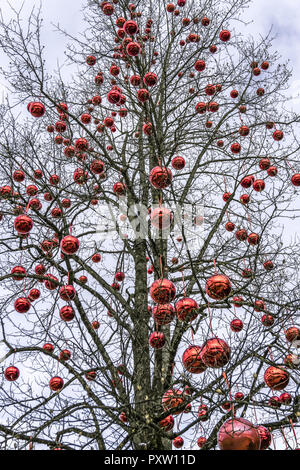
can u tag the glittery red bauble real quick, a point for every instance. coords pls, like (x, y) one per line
(160, 177)
(200, 65)
(192, 361)
(229, 226)
(201, 442)
(82, 144)
(150, 79)
(133, 49)
(276, 378)
(215, 353)
(225, 35)
(56, 384)
(172, 400)
(285, 398)
(67, 292)
(34, 294)
(91, 60)
(167, 423)
(259, 185)
(247, 181)
(157, 340)
(186, 309)
(48, 347)
(239, 396)
(296, 179)
(67, 313)
(22, 305)
(201, 107)
(238, 434)
(11, 373)
(36, 109)
(241, 234)
(23, 224)
(143, 95)
(97, 167)
(162, 291)
(49, 284)
(265, 437)
(130, 27)
(69, 245)
(163, 314)
(114, 97)
(236, 325)
(267, 320)
(218, 287)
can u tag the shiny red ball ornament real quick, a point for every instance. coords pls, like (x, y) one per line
(265, 437)
(167, 423)
(238, 434)
(296, 179)
(48, 347)
(201, 107)
(236, 325)
(244, 131)
(259, 185)
(23, 224)
(225, 35)
(65, 355)
(229, 226)
(133, 49)
(186, 309)
(49, 284)
(11, 373)
(241, 235)
(120, 276)
(36, 109)
(161, 218)
(237, 301)
(69, 245)
(247, 181)
(178, 442)
(56, 384)
(48, 197)
(119, 189)
(200, 65)
(203, 412)
(245, 198)
(239, 396)
(18, 176)
(235, 148)
(272, 171)
(172, 400)
(96, 258)
(163, 314)
(192, 361)
(67, 293)
(226, 196)
(91, 375)
(178, 163)
(160, 177)
(162, 291)
(67, 313)
(201, 442)
(218, 286)
(95, 325)
(130, 27)
(82, 144)
(274, 402)
(234, 94)
(157, 340)
(253, 239)
(215, 353)
(213, 107)
(18, 273)
(285, 398)
(33, 295)
(91, 60)
(292, 334)
(268, 265)
(97, 167)
(83, 279)
(278, 135)
(22, 305)
(267, 320)
(114, 97)
(150, 79)
(276, 378)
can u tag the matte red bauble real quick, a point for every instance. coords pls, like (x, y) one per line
(67, 292)
(186, 309)
(167, 423)
(172, 400)
(157, 340)
(23, 224)
(22, 305)
(67, 313)
(192, 361)
(265, 437)
(178, 442)
(12, 373)
(69, 245)
(161, 218)
(163, 314)
(225, 35)
(236, 325)
(162, 291)
(215, 353)
(178, 163)
(238, 434)
(276, 378)
(160, 177)
(56, 384)
(218, 287)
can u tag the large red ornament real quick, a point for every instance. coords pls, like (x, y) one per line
(56, 384)
(215, 353)
(161, 218)
(167, 423)
(192, 361)
(119, 189)
(187, 309)
(218, 287)
(23, 224)
(160, 177)
(225, 35)
(162, 291)
(265, 437)
(157, 340)
(18, 176)
(49, 284)
(48, 347)
(22, 305)
(278, 135)
(67, 293)
(18, 273)
(12, 373)
(296, 179)
(172, 400)
(150, 79)
(178, 163)
(67, 313)
(163, 314)
(69, 245)
(236, 325)
(292, 335)
(36, 109)
(276, 378)
(238, 434)
(133, 49)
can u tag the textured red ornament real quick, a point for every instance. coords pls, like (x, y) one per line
(167, 423)
(133, 49)
(91, 60)
(259, 185)
(162, 291)
(236, 325)
(235, 148)
(67, 292)
(172, 400)
(238, 434)
(178, 442)
(91, 375)
(267, 320)
(192, 361)
(276, 378)
(23, 224)
(119, 189)
(215, 353)
(160, 177)
(163, 314)
(218, 287)
(18, 273)
(67, 313)
(22, 305)
(36, 109)
(69, 245)
(178, 163)
(12, 373)
(65, 355)
(253, 239)
(187, 309)
(56, 384)
(265, 437)
(292, 334)
(157, 340)
(225, 35)
(278, 135)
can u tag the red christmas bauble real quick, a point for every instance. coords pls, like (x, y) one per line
(161, 218)
(56, 383)
(178, 163)
(163, 314)
(278, 135)
(215, 353)
(267, 320)
(276, 378)
(69, 245)
(34, 294)
(23, 224)
(247, 181)
(239, 396)
(160, 177)
(150, 79)
(48, 347)
(192, 361)
(201, 442)
(18, 273)
(253, 239)
(67, 293)
(162, 291)
(67, 313)
(22, 305)
(172, 400)
(218, 287)
(65, 355)
(12, 373)
(285, 398)
(167, 423)
(187, 309)
(235, 148)
(119, 189)
(225, 35)
(49, 284)
(237, 301)
(178, 442)
(265, 437)
(36, 109)
(296, 179)
(259, 185)
(236, 325)
(18, 176)
(91, 375)
(157, 340)
(238, 434)
(292, 335)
